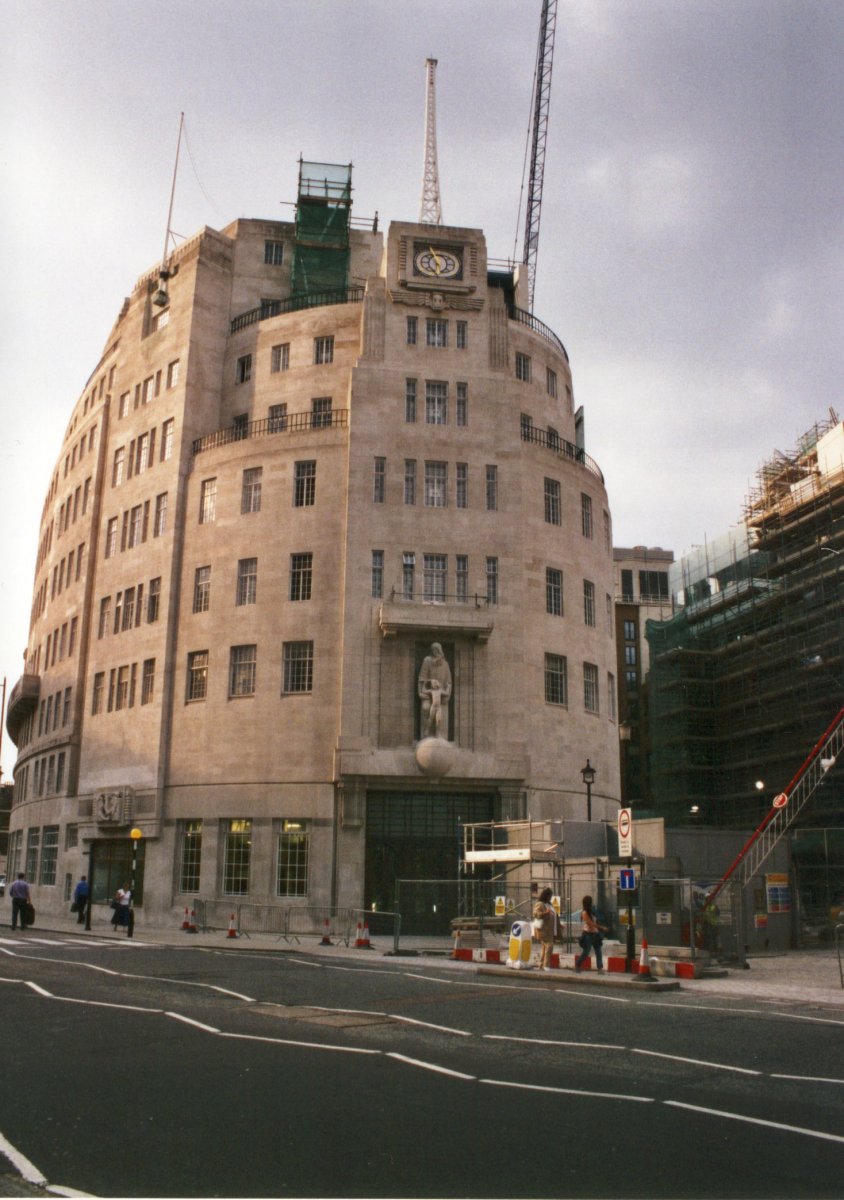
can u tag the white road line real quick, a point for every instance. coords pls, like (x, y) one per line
(254, 1037)
(560, 1091)
(719, 1008)
(814, 1020)
(715, 1112)
(809, 1078)
(433, 979)
(365, 1012)
(575, 992)
(189, 1021)
(426, 1066)
(430, 1025)
(39, 990)
(21, 1163)
(697, 1062)
(502, 1037)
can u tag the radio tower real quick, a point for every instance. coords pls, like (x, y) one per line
(430, 211)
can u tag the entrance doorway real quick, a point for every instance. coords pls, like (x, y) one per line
(112, 867)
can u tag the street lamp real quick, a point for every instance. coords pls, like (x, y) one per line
(136, 835)
(587, 774)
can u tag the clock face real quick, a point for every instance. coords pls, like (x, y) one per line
(438, 262)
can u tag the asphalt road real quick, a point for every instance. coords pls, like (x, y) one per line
(132, 1070)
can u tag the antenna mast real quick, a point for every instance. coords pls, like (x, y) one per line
(430, 212)
(541, 100)
(161, 298)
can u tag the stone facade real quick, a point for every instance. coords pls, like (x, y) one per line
(259, 522)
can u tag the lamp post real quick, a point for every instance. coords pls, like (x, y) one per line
(136, 835)
(587, 774)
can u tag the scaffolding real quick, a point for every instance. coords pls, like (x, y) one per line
(323, 218)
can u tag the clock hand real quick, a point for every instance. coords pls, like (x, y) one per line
(436, 259)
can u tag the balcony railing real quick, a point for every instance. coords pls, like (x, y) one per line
(294, 423)
(553, 441)
(532, 322)
(23, 699)
(274, 308)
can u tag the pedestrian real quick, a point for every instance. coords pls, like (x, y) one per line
(544, 924)
(592, 936)
(121, 902)
(80, 899)
(19, 891)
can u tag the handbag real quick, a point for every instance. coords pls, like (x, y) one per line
(115, 905)
(74, 907)
(29, 914)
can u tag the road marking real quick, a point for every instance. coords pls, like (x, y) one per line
(254, 1037)
(697, 1062)
(591, 996)
(21, 1163)
(367, 1012)
(426, 1066)
(560, 1091)
(189, 1021)
(809, 1078)
(716, 1112)
(502, 1037)
(815, 1020)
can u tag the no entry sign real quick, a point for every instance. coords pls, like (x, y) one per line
(625, 832)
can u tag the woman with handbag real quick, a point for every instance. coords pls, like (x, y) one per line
(592, 936)
(544, 923)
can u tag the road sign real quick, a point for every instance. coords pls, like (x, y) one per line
(780, 801)
(627, 880)
(625, 832)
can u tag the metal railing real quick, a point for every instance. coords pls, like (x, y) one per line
(275, 308)
(567, 450)
(294, 922)
(292, 423)
(533, 323)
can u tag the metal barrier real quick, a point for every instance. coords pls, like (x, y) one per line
(838, 933)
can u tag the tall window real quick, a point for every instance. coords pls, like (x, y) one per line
(586, 515)
(247, 581)
(242, 667)
(435, 484)
(128, 608)
(136, 526)
(461, 485)
(273, 253)
(523, 367)
(556, 679)
(105, 617)
(97, 690)
(653, 585)
(379, 480)
(33, 838)
(173, 373)
(436, 332)
(202, 589)
(461, 563)
(590, 687)
(462, 335)
(553, 506)
(298, 667)
(207, 501)
(410, 401)
(491, 488)
(159, 524)
(436, 402)
(117, 466)
(243, 369)
(111, 537)
(277, 418)
(167, 440)
(121, 695)
(148, 680)
(462, 391)
(434, 577)
(237, 857)
(408, 573)
(412, 331)
(321, 412)
(301, 573)
(588, 602)
(492, 580)
(280, 358)
(190, 856)
(324, 350)
(197, 684)
(292, 863)
(607, 532)
(611, 703)
(304, 484)
(250, 494)
(50, 851)
(554, 591)
(551, 383)
(377, 575)
(410, 481)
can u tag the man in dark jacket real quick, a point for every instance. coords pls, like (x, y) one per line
(19, 891)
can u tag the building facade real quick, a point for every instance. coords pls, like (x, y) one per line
(315, 469)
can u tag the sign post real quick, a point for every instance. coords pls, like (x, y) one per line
(625, 850)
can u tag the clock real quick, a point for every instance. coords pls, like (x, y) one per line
(438, 262)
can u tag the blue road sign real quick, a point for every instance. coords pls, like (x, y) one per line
(627, 880)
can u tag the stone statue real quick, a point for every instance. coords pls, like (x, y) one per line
(434, 689)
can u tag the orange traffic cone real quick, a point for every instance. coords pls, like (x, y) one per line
(232, 933)
(455, 953)
(326, 930)
(359, 942)
(186, 921)
(645, 960)
(191, 928)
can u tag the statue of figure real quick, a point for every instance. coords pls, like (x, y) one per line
(434, 689)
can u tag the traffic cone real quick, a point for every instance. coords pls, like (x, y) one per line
(645, 960)
(359, 942)
(191, 927)
(455, 953)
(232, 933)
(326, 929)
(186, 921)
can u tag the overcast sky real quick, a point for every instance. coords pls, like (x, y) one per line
(690, 253)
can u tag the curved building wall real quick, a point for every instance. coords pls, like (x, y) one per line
(277, 513)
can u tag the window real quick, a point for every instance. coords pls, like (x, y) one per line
(167, 440)
(551, 383)
(50, 849)
(556, 679)
(586, 515)
(136, 526)
(410, 401)
(273, 254)
(630, 631)
(160, 520)
(105, 617)
(461, 562)
(434, 577)
(321, 412)
(301, 573)
(410, 481)
(408, 569)
(436, 332)
(147, 680)
(588, 602)
(148, 393)
(190, 856)
(412, 331)
(197, 684)
(462, 403)
(630, 656)
(121, 695)
(237, 855)
(240, 426)
(143, 453)
(554, 591)
(201, 589)
(68, 696)
(250, 492)
(243, 662)
(123, 407)
(607, 532)
(117, 466)
(128, 608)
(243, 369)
(436, 402)
(304, 484)
(298, 666)
(653, 585)
(462, 335)
(377, 574)
(553, 507)
(526, 427)
(323, 350)
(33, 838)
(292, 866)
(590, 688)
(60, 762)
(111, 538)
(247, 581)
(492, 580)
(208, 501)
(523, 367)
(97, 689)
(491, 488)
(553, 438)
(280, 358)
(172, 373)
(154, 600)
(627, 586)
(379, 481)
(436, 479)
(462, 485)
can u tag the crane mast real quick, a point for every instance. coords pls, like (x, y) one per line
(430, 212)
(541, 100)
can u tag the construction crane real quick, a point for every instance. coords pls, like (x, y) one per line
(430, 212)
(539, 136)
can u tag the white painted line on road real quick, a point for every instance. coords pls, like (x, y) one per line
(696, 1062)
(189, 1021)
(426, 1066)
(571, 992)
(41, 991)
(433, 979)
(720, 1008)
(430, 1025)
(814, 1020)
(809, 1078)
(502, 1037)
(717, 1112)
(560, 1091)
(254, 1037)
(21, 1163)
(107, 1004)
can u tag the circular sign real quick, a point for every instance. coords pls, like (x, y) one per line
(780, 801)
(624, 822)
